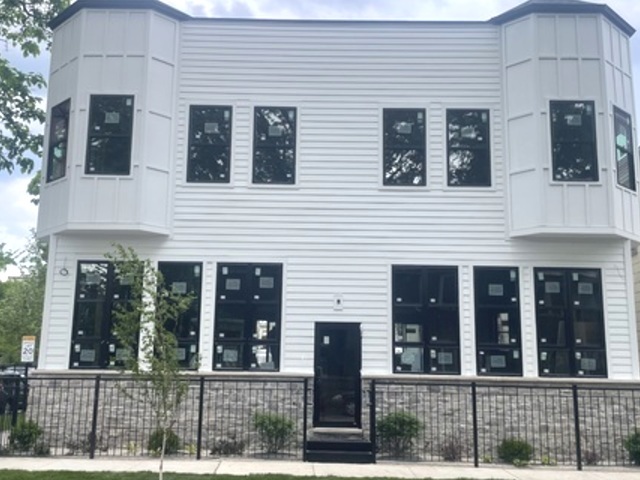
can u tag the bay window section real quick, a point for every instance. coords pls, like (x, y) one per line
(109, 136)
(274, 145)
(247, 320)
(404, 151)
(573, 141)
(184, 278)
(497, 316)
(426, 320)
(570, 320)
(625, 164)
(468, 148)
(209, 157)
(58, 141)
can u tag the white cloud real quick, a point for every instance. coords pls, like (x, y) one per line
(17, 216)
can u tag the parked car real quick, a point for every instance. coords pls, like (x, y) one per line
(13, 389)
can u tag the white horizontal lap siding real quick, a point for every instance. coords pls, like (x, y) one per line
(318, 61)
(618, 314)
(311, 289)
(315, 274)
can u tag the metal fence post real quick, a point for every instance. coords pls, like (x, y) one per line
(474, 410)
(576, 420)
(372, 419)
(305, 412)
(94, 419)
(200, 419)
(14, 392)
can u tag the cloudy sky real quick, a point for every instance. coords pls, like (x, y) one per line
(18, 215)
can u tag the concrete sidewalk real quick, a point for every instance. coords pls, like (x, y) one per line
(246, 467)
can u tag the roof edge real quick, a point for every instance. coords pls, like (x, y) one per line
(154, 5)
(574, 8)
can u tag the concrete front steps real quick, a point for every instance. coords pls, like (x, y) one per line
(338, 445)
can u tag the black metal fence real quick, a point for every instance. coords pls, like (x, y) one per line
(578, 425)
(563, 424)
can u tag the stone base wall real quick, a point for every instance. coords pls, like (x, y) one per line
(542, 415)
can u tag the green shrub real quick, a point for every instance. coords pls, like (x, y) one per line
(632, 445)
(24, 436)
(274, 431)
(590, 457)
(549, 461)
(452, 450)
(397, 431)
(226, 446)
(41, 449)
(515, 451)
(155, 442)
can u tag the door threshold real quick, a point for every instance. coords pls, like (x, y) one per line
(338, 430)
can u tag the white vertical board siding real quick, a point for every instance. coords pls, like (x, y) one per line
(565, 57)
(115, 53)
(63, 85)
(618, 84)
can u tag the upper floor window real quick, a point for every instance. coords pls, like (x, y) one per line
(624, 149)
(209, 144)
(109, 137)
(573, 141)
(469, 158)
(274, 145)
(404, 146)
(58, 138)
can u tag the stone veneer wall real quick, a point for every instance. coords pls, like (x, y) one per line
(540, 413)
(64, 409)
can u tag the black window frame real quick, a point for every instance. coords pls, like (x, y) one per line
(58, 142)
(622, 120)
(426, 320)
(100, 142)
(567, 142)
(266, 143)
(395, 151)
(214, 146)
(248, 316)
(185, 278)
(105, 344)
(478, 148)
(565, 298)
(497, 321)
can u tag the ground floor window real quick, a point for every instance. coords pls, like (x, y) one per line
(247, 319)
(497, 312)
(184, 278)
(571, 339)
(99, 292)
(426, 322)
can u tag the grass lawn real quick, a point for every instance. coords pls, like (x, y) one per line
(58, 475)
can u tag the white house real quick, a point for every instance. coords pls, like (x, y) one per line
(348, 198)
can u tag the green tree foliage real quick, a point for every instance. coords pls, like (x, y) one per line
(151, 348)
(23, 25)
(33, 188)
(6, 257)
(21, 300)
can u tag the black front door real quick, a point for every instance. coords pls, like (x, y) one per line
(337, 392)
